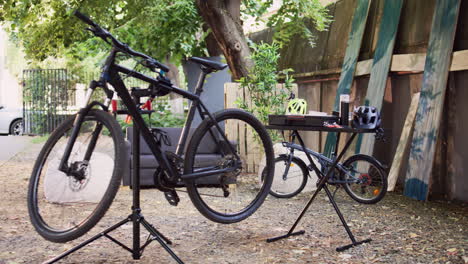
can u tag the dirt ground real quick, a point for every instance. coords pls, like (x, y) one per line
(402, 230)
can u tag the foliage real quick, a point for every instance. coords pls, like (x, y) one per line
(173, 28)
(39, 139)
(291, 18)
(261, 82)
(160, 118)
(47, 28)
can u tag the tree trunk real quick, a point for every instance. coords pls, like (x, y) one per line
(211, 44)
(223, 17)
(173, 73)
(176, 101)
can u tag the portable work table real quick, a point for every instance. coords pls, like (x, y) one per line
(322, 184)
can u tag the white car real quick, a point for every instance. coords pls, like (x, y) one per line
(11, 120)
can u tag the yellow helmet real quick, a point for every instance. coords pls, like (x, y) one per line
(297, 107)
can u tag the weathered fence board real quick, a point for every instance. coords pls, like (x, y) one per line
(412, 62)
(247, 146)
(460, 61)
(350, 60)
(408, 62)
(432, 99)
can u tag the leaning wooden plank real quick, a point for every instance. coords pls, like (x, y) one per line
(381, 66)
(383, 52)
(403, 143)
(350, 60)
(432, 99)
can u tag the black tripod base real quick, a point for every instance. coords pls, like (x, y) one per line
(343, 248)
(273, 239)
(136, 252)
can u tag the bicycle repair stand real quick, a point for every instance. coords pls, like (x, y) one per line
(322, 184)
(136, 217)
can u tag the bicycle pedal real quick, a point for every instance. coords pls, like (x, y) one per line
(172, 197)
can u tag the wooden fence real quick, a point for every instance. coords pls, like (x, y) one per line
(247, 145)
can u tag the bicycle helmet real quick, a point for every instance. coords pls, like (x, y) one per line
(367, 117)
(297, 107)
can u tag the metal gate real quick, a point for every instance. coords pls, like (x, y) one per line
(51, 95)
(47, 100)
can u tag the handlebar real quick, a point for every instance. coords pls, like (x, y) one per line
(104, 34)
(84, 18)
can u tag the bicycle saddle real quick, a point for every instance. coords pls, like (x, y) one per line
(213, 65)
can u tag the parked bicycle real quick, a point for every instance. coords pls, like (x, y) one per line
(79, 170)
(362, 176)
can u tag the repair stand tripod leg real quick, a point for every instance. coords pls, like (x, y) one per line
(136, 217)
(322, 185)
(102, 234)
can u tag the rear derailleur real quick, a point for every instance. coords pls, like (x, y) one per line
(229, 177)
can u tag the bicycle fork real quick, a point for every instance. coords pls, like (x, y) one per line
(80, 117)
(288, 165)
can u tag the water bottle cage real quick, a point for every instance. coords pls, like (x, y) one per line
(161, 136)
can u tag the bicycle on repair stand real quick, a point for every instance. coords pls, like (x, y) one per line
(79, 170)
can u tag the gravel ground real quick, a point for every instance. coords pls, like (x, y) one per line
(402, 230)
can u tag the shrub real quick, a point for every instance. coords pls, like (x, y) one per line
(264, 98)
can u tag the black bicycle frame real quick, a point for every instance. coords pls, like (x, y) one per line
(110, 74)
(293, 146)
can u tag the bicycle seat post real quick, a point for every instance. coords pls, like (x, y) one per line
(193, 106)
(201, 80)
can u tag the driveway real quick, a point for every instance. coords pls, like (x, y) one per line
(10, 145)
(403, 230)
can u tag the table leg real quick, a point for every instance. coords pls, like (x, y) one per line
(345, 225)
(322, 185)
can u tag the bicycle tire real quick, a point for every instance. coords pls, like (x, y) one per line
(46, 225)
(375, 182)
(279, 181)
(245, 183)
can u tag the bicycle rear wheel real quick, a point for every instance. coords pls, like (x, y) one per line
(232, 196)
(64, 206)
(366, 181)
(291, 184)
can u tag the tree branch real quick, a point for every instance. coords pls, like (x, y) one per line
(228, 33)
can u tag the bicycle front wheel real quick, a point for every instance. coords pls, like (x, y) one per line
(234, 195)
(365, 180)
(64, 206)
(289, 178)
